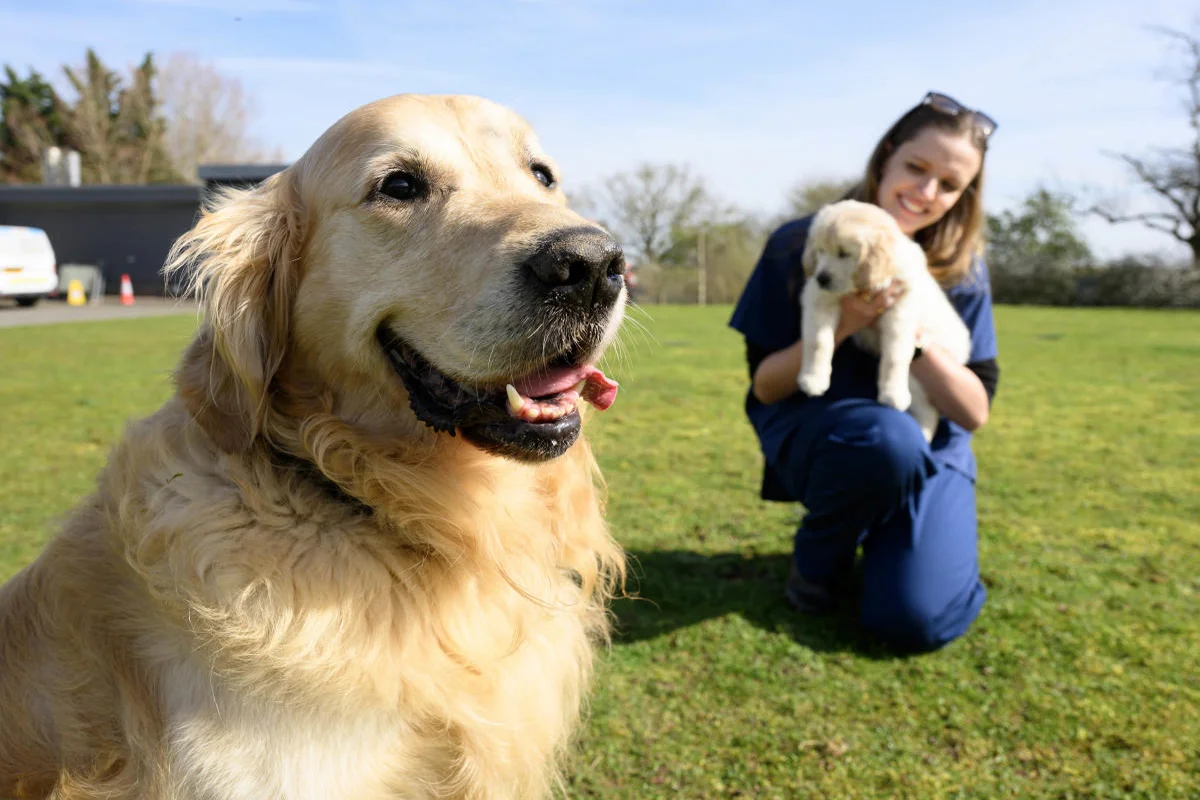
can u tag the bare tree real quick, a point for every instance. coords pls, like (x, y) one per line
(645, 208)
(1172, 174)
(715, 255)
(208, 116)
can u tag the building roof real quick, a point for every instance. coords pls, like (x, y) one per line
(106, 193)
(237, 172)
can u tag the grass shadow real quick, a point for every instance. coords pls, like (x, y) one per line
(673, 589)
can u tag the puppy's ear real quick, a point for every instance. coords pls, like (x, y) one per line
(877, 266)
(816, 233)
(241, 260)
(809, 259)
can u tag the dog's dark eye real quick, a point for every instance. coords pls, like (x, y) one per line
(842, 253)
(544, 176)
(403, 186)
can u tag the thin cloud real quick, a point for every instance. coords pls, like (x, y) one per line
(755, 96)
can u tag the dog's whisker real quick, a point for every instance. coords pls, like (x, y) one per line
(471, 358)
(638, 308)
(630, 338)
(641, 326)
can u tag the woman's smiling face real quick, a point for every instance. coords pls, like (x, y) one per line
(926, 175)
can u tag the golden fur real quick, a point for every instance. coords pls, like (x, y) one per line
(287, 586)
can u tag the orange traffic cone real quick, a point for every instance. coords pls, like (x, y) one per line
(126, 290)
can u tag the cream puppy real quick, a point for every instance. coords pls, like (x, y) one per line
(858, 247)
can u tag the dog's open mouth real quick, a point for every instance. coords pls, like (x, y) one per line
(534, 417)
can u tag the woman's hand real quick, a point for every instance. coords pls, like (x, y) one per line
(860, 312)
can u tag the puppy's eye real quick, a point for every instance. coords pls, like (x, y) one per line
(544, 176)
(403, 186)
(841, 253)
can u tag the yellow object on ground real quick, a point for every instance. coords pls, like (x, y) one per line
(75, 295)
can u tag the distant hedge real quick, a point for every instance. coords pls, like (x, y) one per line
(1127, 282)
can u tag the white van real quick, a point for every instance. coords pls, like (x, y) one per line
(28, 269)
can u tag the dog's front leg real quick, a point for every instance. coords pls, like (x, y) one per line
(897, 340)
(817, 329)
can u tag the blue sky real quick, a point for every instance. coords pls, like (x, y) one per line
(754, 95)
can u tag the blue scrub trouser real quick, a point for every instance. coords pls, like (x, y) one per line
(867, 477)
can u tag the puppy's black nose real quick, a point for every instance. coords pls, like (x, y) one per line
(581, 266)
(823, 280)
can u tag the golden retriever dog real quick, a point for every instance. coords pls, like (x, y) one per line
(856, 247)
(360, 552)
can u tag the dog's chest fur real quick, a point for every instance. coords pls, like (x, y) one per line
(225, 746)
(317, 658)
(421, 739)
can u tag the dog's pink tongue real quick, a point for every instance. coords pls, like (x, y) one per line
(598, 389)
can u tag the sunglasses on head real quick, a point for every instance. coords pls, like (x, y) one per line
(948, 105)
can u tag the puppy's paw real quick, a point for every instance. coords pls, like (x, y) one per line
(927, 417)
(898, 398)
(813, 384)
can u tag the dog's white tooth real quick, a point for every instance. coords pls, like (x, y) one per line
(515, 401)
(579, 386)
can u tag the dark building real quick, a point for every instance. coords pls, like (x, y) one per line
(239, 176)
(122, 229)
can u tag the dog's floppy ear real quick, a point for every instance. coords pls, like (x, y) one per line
(877, 266)
(241, 260)
(815, 232)
(809, 259)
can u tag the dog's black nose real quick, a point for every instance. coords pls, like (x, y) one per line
(823, 280)
(582, 266)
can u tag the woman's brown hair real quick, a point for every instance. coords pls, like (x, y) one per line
(951, 243)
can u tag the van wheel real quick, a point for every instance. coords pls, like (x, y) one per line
(27, 302)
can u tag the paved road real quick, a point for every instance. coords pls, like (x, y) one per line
(50, 312)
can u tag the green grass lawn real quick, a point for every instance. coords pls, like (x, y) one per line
(1080, 680)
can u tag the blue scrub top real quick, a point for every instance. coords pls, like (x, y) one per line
(768, 315)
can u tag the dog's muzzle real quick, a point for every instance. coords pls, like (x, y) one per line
(573, 280)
